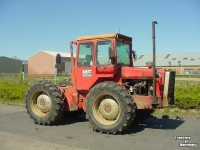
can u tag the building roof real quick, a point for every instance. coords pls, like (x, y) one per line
(190, 59)
(4, 57)
(63, 54)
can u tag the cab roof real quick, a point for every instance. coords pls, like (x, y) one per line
(100, 36)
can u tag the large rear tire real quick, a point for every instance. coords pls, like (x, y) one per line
(44, 103)
(70, 114)
(65, 82)
(109, 108)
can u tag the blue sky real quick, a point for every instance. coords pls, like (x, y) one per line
(28, 26)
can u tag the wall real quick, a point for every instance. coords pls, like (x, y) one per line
(41, 65)
(184, 69)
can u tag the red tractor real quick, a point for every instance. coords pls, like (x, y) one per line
(105, 84)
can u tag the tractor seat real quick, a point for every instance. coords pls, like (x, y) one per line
(88, 59)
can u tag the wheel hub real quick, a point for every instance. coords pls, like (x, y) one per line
(109, 109)
(44, 103)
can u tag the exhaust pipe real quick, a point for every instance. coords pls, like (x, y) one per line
(154, 60)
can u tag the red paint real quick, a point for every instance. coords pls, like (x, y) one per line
(143, 102)
(136, 73)
(71, 99)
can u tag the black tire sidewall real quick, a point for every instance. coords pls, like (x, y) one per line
(65, 82)
(120, 100)
(41, 86)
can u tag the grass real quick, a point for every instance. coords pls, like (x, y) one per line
(177, 112)
(13, 104)
(13, 89)
(187, 76)
(17, 101)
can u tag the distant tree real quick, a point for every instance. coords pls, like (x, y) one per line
(15, 57)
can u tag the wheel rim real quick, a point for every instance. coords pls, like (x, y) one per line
(106, 110)
(41, 104)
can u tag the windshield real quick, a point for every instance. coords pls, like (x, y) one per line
(123, 53)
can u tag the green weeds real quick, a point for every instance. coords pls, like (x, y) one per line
(13, 88)
(187, 95)
(13, 92)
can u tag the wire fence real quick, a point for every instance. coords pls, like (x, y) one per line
(185, 82)
(187, 79)
(30, 79)
(33, 75)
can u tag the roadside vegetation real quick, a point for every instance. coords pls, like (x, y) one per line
(186, 96)
(13, 88)
(178, 112)
(188, 76)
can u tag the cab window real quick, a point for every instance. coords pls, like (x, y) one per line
(85, 54)
(123, 53)
(102, 52)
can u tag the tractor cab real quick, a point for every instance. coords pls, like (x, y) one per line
(100, 57)
(104, 50)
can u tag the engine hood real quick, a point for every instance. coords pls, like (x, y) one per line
(136, 73)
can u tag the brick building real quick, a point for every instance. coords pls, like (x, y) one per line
(43, 63)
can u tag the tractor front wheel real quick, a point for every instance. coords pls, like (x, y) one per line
(109, 108)
(44, 103)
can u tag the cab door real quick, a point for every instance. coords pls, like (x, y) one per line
(84, 68)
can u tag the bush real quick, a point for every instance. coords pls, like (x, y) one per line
(187, 96)
(13, 89)
(13, 92)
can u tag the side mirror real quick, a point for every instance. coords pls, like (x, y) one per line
(110, 53)
(134, 55)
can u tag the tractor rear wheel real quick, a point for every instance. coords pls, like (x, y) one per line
(65, 82)
(44, 103)
(71, 114)
(109, 108)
